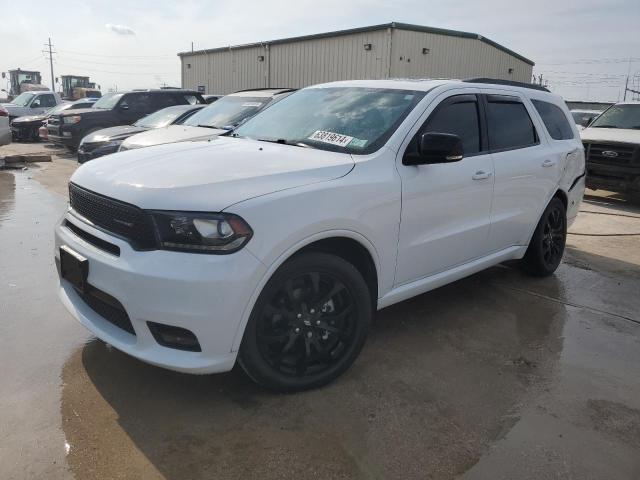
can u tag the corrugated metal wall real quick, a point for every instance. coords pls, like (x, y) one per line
(452, 57)
(394, 53)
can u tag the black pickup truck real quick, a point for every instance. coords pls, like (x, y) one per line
(121, 108)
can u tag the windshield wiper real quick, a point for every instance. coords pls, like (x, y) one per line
(605, 126)
(282, 141)
(215, 127)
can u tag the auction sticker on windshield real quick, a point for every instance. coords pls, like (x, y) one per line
(332, 138)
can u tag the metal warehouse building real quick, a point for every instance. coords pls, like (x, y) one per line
(393, 50)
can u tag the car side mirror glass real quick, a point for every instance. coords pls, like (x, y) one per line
(436, 147)
(124, 107)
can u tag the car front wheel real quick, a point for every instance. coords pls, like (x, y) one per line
(546, 248)
(308, 325)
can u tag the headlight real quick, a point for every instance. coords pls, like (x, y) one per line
(72, 119)
(112, 144)
(201, 232)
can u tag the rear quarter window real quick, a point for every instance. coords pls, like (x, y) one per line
(554, 120)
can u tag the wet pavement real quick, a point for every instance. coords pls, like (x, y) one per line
(495, 376)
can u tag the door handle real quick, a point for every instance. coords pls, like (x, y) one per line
(481, 175)
(548, 163)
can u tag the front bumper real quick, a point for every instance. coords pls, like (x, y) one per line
(619, 178)
(206, 294)
(66, 135)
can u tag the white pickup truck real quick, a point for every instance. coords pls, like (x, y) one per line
(31, 103)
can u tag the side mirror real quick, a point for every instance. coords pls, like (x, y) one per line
(124, 107)
(436, 148)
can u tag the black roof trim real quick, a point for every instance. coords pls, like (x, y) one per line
(511, 83)
(277, 89)
(372, 28)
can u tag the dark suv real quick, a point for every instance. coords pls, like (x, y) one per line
(122, 108)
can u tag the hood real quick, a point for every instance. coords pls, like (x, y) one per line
(171, 134)
(208, 176)
(82, 111)
(621, 135)
(30, 118)
(112, 133)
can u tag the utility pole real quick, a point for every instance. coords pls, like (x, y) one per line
(51, 52)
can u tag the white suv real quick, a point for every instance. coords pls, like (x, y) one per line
(274, 246)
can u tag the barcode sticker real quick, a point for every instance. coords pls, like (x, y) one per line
(330, 137)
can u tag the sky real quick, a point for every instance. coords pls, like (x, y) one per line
(583, 48)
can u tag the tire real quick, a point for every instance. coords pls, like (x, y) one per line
(546, 248)
(308, 325)
(72, 148)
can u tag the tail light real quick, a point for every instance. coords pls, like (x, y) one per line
(3, 112)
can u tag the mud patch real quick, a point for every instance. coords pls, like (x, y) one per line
(616, 419)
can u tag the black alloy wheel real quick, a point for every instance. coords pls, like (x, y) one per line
(546, 248)
(308, 325)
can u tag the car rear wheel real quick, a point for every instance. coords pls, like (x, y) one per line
(308, 325)
(546, 248)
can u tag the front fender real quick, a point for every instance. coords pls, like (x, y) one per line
(283, 257)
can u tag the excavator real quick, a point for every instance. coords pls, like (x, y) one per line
(75, 87)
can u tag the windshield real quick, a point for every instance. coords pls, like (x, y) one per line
(619, 116)
(228, 112)
(108, 101)
(351, 119)
(161, 118)
(583, 118)
(56, 109)
(22, 99)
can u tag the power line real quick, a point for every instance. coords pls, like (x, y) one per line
(116, 56)
(65, 65)
(116, 63)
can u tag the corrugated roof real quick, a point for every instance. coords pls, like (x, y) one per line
(399, 26)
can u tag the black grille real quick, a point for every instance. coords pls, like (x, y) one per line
(93, 240)
(107, 307)
(116, 217)
(610, 153)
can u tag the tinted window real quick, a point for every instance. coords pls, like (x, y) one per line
(47, 101)
(138, 102)
(554, 119)
(509, 124)
(460, 118)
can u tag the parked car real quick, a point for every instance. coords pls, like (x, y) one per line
(584, 117)
(28, 127)
(612, 145)
(216, 119)
(108, 140)
(273, 246)
(122, 108)
(31, 103)
(5, 129)
(212, 98)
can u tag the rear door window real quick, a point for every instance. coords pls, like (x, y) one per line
(554, 120)
(509, 123)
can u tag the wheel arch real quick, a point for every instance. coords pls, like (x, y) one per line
(347, 244)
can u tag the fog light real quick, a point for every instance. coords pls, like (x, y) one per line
(174, 337)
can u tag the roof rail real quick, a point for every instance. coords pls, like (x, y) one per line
(496, 81)
(285, 89)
